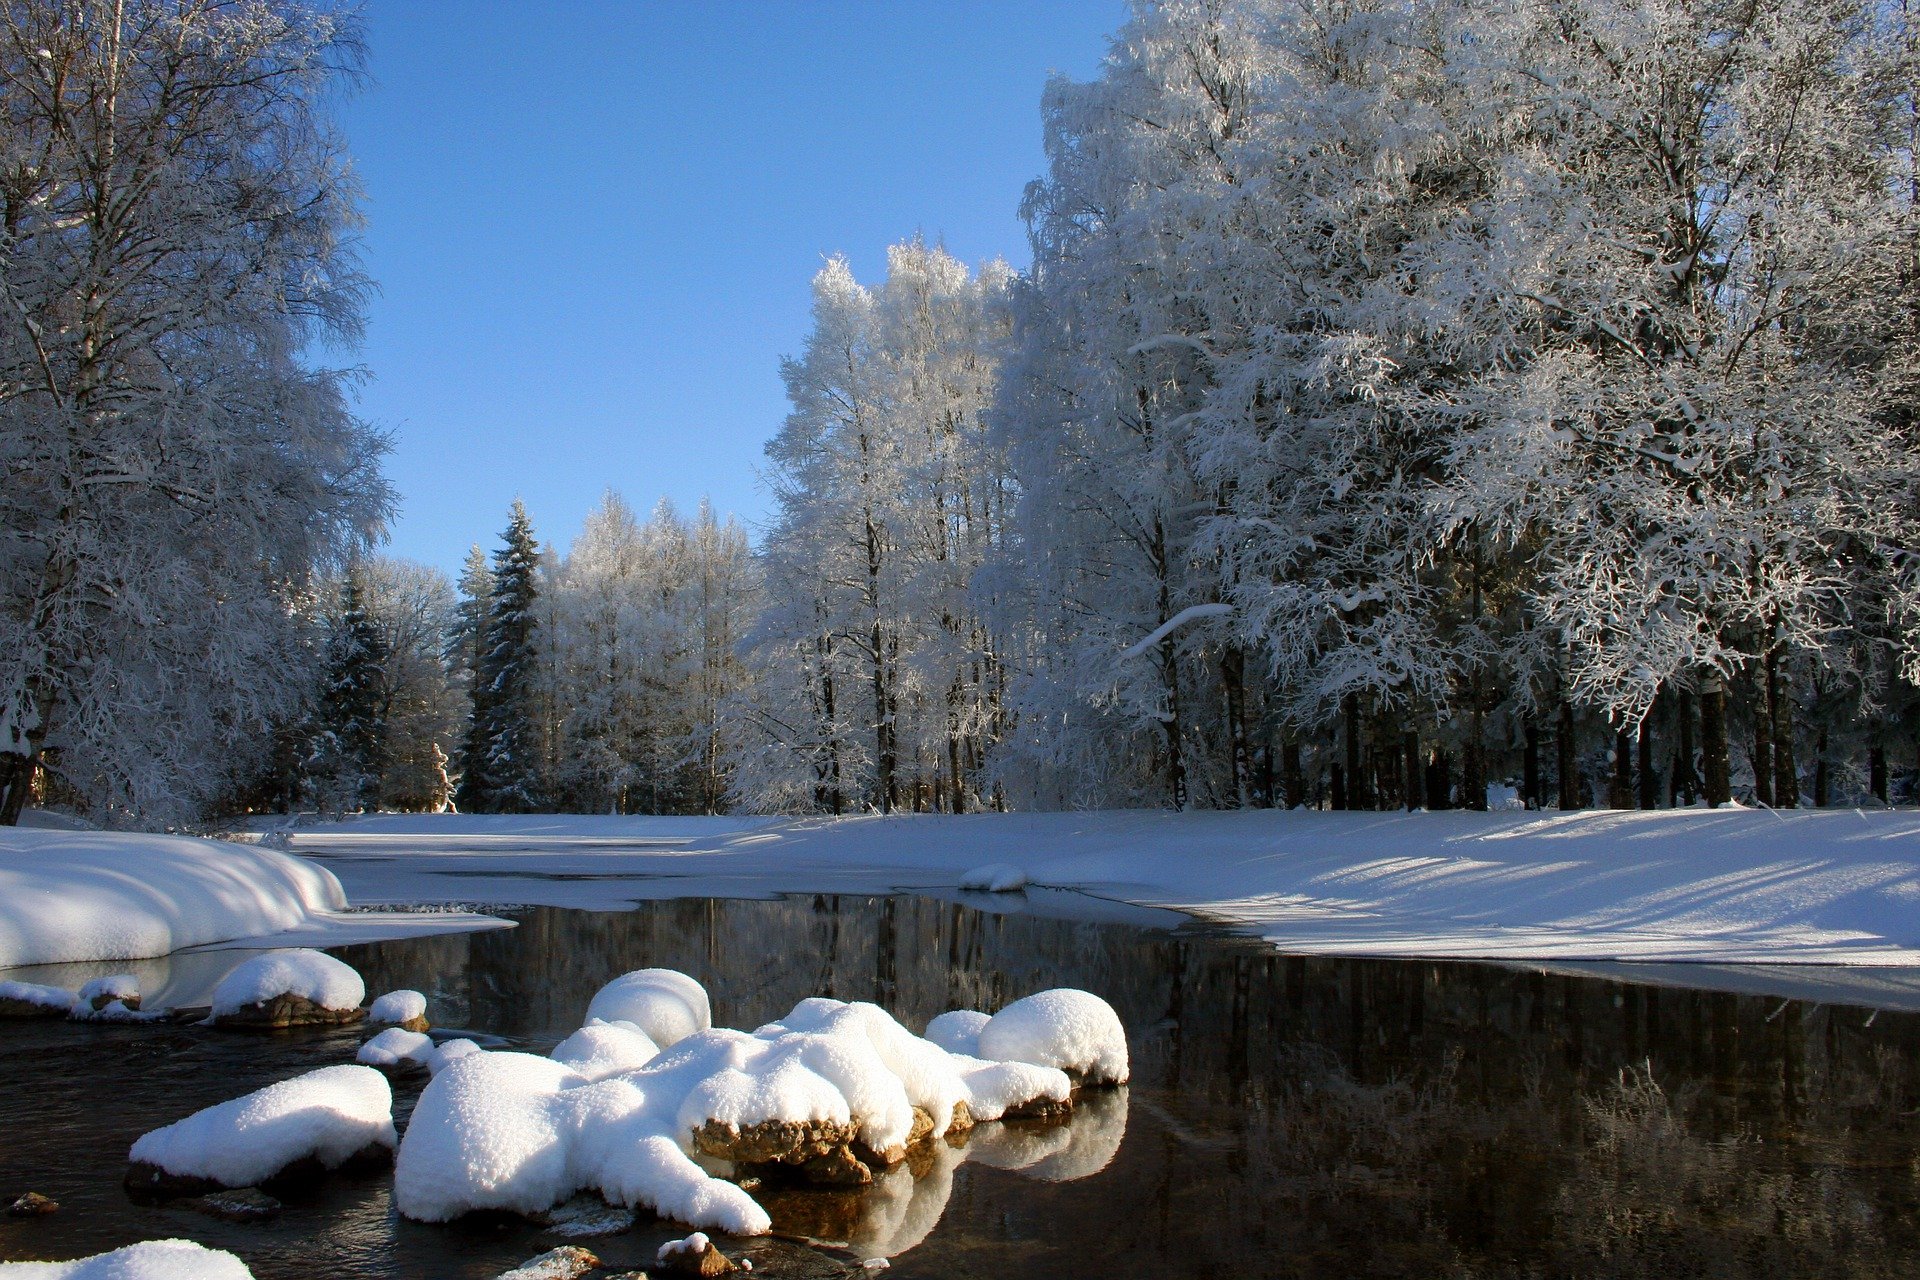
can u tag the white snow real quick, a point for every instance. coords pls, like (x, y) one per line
(1190, 614)
(995, 877)
(1828, 887)
(115, 986)
(35, 993)
(149, 1260)
(396, 1045)
(695, 1244)
(329, 983)
(328, 1114)
(663, 1005)
(398, 1006)
(70, 896)
(1071, 1030)
(958, 1031)
(605, 1048)
(450, 1052)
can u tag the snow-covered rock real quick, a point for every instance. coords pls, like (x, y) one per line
(449, 1052)
(995, 877)
(1076, 1031)
(101, 992)
(606, 1048)
(568, 1262)
(33, 1000)
(397, 1048)
(289, 988)
(400, 1009)
(665, 1005)
(958, 1031)
(97, 895)
(149, 1260)
(330, 1116)
(694, 1255)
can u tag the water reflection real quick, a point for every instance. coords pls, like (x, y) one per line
(1288, 1117)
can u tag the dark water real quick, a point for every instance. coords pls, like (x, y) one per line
(1288, 1116)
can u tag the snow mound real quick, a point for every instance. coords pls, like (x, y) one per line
(601, 1049)
(397, 1046)
(313, 975)
(958, 1031)
(149, 1260)
(450, 1052)
(396, 1007)
(41, 997)
(329, 1114)
(664, 1005)
(93, 895)
(995, 877)
(1075, 1031)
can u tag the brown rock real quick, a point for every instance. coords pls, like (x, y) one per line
(568, 1262)
(705, 1262)
(145, 1179)
(419, 1024)
(773, 1141)
(32, 1205)
(1039, 1109)
(286, 1011)
(12, 1008)
(837, 1168)
(102, 1000)
(244, 1204)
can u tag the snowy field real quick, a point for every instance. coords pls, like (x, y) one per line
(1727, 886)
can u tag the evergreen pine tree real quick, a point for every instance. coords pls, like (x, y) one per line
(503, 764)
(462, 656)
(351, 750)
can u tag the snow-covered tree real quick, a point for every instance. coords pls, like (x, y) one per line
(175, 218)
(503, 756)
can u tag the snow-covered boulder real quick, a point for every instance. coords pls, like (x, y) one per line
(958, 1031)
(995, 877)
(398, 1049)
(407, 1009)
(663, 1004)
(328, 1117)
(450, 1052)
(289, 989)
(1075, 1031)
(149, 1260)
(32, 1000)
(568, 1262)
(693, 1256)
(602, 1049)
(121, 988)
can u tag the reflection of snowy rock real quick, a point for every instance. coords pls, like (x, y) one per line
(1016, 1146)
(605, 1048)
(327, 1117)
(405, 1009)
(289, 989)
(31, 1000)
(149, 1260)
(123, 988)
(662, 1004)
(958, 1031)
(995, 877)
(397, 1049)
(1094, 1135)
(904, 1210)
(1076, 1031)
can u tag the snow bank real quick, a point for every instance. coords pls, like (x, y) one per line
(150, 1260)
(396, 1047)
(329, 1114)
(313, 975)
(1074, 1031)
(663, 1005)
(37, 995)
(397, 1007)
(995, 877)
(94, 895)
(516, 1132)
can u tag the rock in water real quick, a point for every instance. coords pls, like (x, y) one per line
(298, 988)
(694, 1256)
(32, 1205)
(244, 1204)
(31, 1000)
(102, 992)
(404, 1009)
(568, 1262)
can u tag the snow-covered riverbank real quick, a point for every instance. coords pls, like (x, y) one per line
(75, 896)
(1728, 886)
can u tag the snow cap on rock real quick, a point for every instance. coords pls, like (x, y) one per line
(663, 1004)
(604, 1048)
(397, 1007)
(148, 1260)
(1076, 1031)
(329, 1114)
(396, 1046)
(958, 1031)
(312, 975)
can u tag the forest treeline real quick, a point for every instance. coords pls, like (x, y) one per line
(1420, 404)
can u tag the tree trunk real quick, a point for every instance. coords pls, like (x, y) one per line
(1786, 768)
(1440, 779)
(1820, 771)
(1715, 772)
(1531, 794)
(1233, 683)
(17, 773)
(1685, 785)
(1473, 762)
(1356, 788)
(1337, 788)
(1568, 765)
(1762, 739)
(1649, 784)
(1291, 779)
(1877, 773)
(1410, 782)
(1622, 791)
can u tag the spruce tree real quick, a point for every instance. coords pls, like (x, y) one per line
(353, 705)
(503, 763)
(462, 656)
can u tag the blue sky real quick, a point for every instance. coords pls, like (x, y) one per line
(593, 225)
